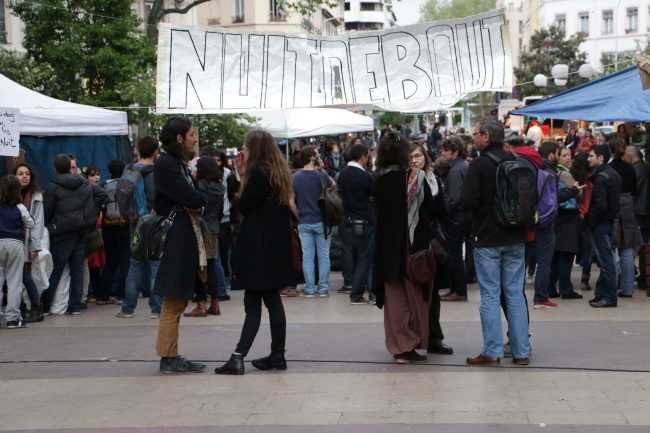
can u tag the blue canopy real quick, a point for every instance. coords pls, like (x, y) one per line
(615, 97)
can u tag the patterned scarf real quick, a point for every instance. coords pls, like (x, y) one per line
(196, 220)
(415, 196)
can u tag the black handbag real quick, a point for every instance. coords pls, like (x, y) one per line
(94, 241)
(150, 237)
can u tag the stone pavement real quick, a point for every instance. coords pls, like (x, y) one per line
(590, 372)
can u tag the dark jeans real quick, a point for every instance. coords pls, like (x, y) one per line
(531, 260)
(209, 288)
(470, 269)
(601, 242)
(117, 242)
(95, 275)
(358, 250)
(457, 229)
(30, 285)
(645, 233)
(561, 273)
(544, 248)
(435, 330)
(225, 239)
(67, 251)
(278, 322)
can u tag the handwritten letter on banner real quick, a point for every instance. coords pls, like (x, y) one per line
(9, 131)
(422, 67)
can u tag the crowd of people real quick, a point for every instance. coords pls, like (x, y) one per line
(260, 223)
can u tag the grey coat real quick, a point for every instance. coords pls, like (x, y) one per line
(631, 232)
(34, 235)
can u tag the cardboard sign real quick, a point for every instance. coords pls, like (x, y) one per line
(9, 131)
(415, 68)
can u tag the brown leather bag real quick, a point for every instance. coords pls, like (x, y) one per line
(421, 266)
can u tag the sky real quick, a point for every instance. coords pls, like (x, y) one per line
(407, 11)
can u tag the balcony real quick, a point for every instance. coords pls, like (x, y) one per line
(277, 17)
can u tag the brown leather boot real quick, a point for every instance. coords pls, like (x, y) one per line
(201, 310)
(214, 307)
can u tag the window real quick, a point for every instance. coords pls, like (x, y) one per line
(632, 20)
(276, 13)
(239, 12)
(607, 58)
(147, 9)
(560, 22)
(521, 26)
(583, 23)
(608, 22)
(3, 30)
(370, 6)
(347, 6)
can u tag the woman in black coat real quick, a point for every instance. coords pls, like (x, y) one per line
(176, 278)
(263, 261)
(405, 213)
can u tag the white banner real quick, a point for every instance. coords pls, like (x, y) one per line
(415, 68)
(9, 131)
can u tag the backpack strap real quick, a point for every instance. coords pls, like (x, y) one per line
(493, 157)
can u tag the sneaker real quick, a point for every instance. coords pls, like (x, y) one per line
(307, 295)
(123, 315)
(530, 279)
(289, 292)
(73, 313)
(14, 324)
(179, 364)
(584, 285)
(520, 361)
(544, 304)
(104, 301)
(91, 299)
(344, 289)
(223, 298)
(507, 352)
(409, 357)
(324, 295)
(572, 295)
(360, 301)
(154, 316)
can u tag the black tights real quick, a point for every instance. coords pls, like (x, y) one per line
(253, 306)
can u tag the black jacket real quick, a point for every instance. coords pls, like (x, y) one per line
(627, 174)
(177, 275)
(478, 195)
(70, 205)
(355, 187)
(642, 199)
(604, 205)
(214, 192)
(453, 186)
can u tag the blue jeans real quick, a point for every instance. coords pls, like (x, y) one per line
(502, 269)
(626, 277)
(314, 243)
(544, 248)
(222, 286)
(601, 244)
(141, 274)
(71, 251)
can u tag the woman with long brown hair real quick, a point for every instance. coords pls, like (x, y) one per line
(263, 261)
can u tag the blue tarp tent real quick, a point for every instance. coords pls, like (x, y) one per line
(615, 97)
(49, 127)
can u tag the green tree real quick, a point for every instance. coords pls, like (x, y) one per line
(26, 72)
(549, 47)
(445, 9)
(95, 49)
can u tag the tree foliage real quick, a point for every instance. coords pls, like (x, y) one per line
(446, 9)
(25, 71)
(625, 58)
(94, 48)
(549, 47)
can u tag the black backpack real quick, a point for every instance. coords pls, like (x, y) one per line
(515, 200)
(150, 236)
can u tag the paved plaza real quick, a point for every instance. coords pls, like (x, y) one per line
(589, 372)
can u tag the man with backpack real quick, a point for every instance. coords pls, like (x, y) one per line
(142, 274)
(117, 236)
(499, 252)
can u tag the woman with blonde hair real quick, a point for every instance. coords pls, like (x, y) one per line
(263, 261)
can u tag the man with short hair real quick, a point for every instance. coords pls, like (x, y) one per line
(603, 208)
(641, 205)
(70, 206)
(314, 234)
(357, 229)
(141, 275)
(499, 252)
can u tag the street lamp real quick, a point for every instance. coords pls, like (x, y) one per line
(560, 74)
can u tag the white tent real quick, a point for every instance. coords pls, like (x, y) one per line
(42, 115)
(310, 122)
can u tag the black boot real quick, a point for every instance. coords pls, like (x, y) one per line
(235, 365)
(35, 314)
(274, 361)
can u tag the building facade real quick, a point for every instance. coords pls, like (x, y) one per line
(368, 15)
(609, 26)
(515, 22)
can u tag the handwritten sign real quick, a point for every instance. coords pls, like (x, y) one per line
(422, 67)
(9, 131)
